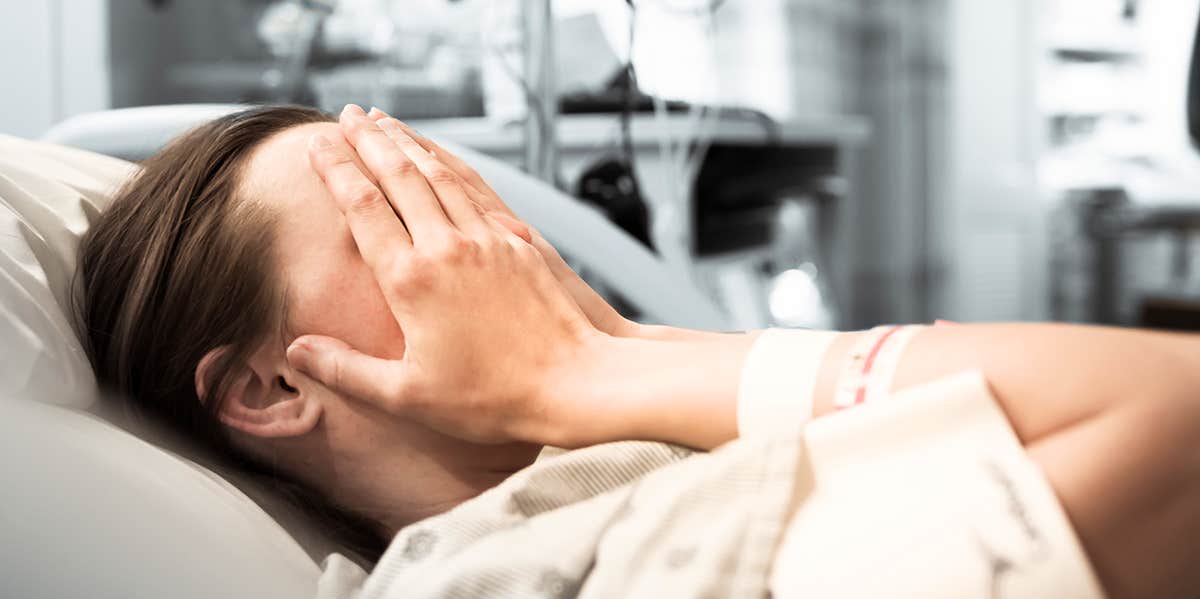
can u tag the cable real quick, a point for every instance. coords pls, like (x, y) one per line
(687, 154)
(630, 91)
(661, 117)
(665, 139)
(709, 117)
(533, 103)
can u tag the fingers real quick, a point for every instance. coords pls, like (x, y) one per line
(389, 153)
(377, 230)
(402, 181)
(505, 217)
(489, 199)
(457, 202)
(512, 225)
(345, 370)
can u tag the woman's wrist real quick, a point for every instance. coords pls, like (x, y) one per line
(681, 391)
(669, 333)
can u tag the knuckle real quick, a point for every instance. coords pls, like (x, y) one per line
(437, 173)
(411, 273)
(364, 134)
(337, 372)
(526, 251)
(476, 180)
(469, 172)
(402, 167)
(456, 248)
(496, 244)
(404, 395)
(364, 198)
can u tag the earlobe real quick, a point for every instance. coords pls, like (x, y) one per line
(254, 404)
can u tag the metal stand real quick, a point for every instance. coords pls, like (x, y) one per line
(1108, 218)
(541, 138)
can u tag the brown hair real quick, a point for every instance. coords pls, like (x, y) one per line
(179, 265)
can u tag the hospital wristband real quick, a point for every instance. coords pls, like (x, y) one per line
(887, 362)
(851, 387)
(778, 380)
(867, 372)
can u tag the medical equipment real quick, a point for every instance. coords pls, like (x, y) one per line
(290, 31)
(661, 295)
(540, 124)
(90, 505)
(1106, 224)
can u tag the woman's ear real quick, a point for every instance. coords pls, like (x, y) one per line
(260, 400)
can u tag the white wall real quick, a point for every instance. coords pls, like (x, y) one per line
(53, 62)
(26, 59)
(741, 61)
(1169, 27)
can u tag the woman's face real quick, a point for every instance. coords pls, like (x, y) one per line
(330, 290)
(356, 454)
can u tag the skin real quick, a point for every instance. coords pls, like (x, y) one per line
(354, 451)
(1109, 415)
(349, 449)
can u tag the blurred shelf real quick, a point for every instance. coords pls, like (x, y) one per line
(582, 132)
(1100, 43)
(1097, 52)
(235, 79)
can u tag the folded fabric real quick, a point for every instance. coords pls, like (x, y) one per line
(651, 520)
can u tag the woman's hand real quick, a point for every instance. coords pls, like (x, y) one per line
(602, 315)
(490, 334)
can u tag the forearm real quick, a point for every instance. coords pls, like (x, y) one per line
(1043, 375)
(1111, 417)
(685, 390)
(658, 332)
(679, 391)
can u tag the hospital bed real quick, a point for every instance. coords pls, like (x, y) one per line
(95, 503)
(662, 295)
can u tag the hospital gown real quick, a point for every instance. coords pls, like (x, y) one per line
(927, 494)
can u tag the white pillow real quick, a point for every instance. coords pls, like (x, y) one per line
(86, 508)
(48, 195)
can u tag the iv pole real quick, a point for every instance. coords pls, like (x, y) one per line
(541, 135)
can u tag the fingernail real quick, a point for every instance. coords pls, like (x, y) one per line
(389, 124)
(374, 112)
(298, 353)
(353, 109)
(319, 142)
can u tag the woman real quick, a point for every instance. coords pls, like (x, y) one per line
(350, 303)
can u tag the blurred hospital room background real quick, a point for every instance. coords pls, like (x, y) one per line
(818, 163)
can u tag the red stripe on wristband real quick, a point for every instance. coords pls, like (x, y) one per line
(861, 394)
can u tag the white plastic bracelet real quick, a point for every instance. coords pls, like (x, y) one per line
(778, 380)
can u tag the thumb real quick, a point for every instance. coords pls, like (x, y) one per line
(345, 370)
